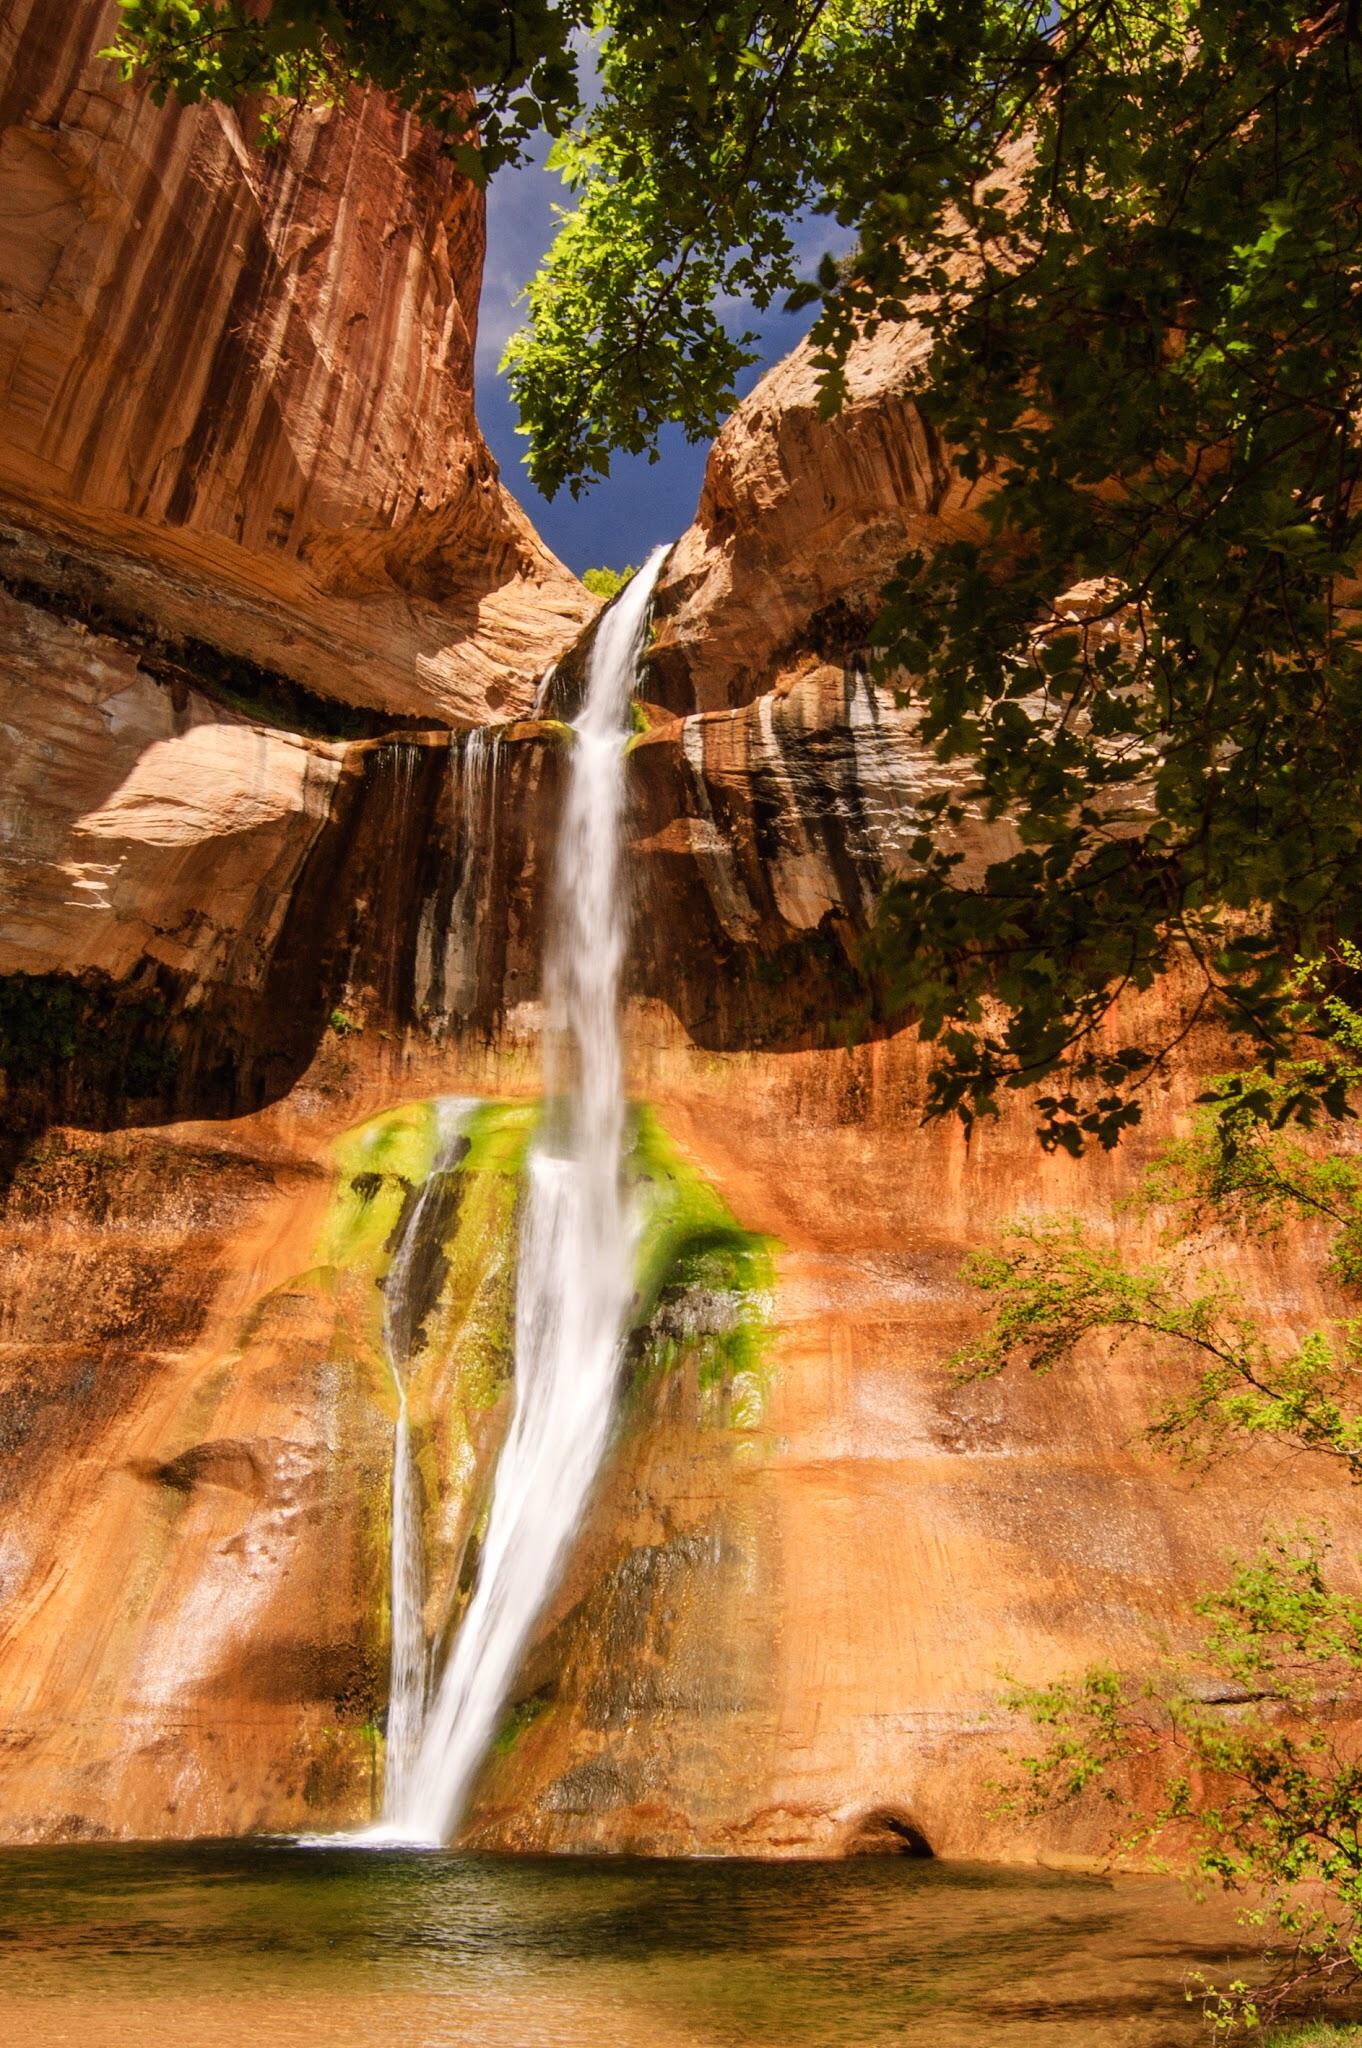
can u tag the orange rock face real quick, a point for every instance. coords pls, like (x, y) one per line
(783, 1627)
(142, 831)
(236, 390)
(800, 522)
(785, 1622)
(777, 1634)
(158, 1489)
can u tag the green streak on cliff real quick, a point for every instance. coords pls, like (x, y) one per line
(378, 1166)
(458, 1376)
(520, 1717)
(468, 1328)
(705, 1284)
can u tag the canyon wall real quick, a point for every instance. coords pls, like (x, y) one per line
(259, 906)
(236, 388)
(801, 521)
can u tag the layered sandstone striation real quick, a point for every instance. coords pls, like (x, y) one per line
(236, 387)
(801, 522)
(189, 895)
(161, 846)
(142, 825)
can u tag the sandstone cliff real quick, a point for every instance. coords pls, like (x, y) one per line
(800, 522)
(236, 396)
(782, 1628)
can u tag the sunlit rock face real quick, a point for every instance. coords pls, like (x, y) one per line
(142, 826)
(792, 1597)
(182, 879)
(765, 836)
(196, 1428)
(801, 522)
(160, 1484)
(791, 1600)
(236, 388)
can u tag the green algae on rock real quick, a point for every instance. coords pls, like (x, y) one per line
(379, 1163)
(705, 1284)
(460, 1316)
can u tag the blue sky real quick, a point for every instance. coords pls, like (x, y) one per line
(640, 504)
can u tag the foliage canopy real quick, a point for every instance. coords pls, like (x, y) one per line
(1131, 232)
(484, 76)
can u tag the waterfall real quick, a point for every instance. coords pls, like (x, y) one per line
(407, 1671)
(574, 1274)
(478, 773)
(474, 783)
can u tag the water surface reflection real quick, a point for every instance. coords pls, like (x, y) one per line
(260, 1943)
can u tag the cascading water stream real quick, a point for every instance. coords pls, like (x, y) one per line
(407, 1671)
(479, 754)
(574, 1276)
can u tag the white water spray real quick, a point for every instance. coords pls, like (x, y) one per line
(407, 1671)
(574, 1275)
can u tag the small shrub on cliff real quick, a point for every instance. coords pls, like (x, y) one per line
(1253, 1734)
(1261, 1785)
(608, 583)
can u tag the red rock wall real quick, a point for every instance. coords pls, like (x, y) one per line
(773, 1629)
(238, 385)
(800, 522)
(775, 1624)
